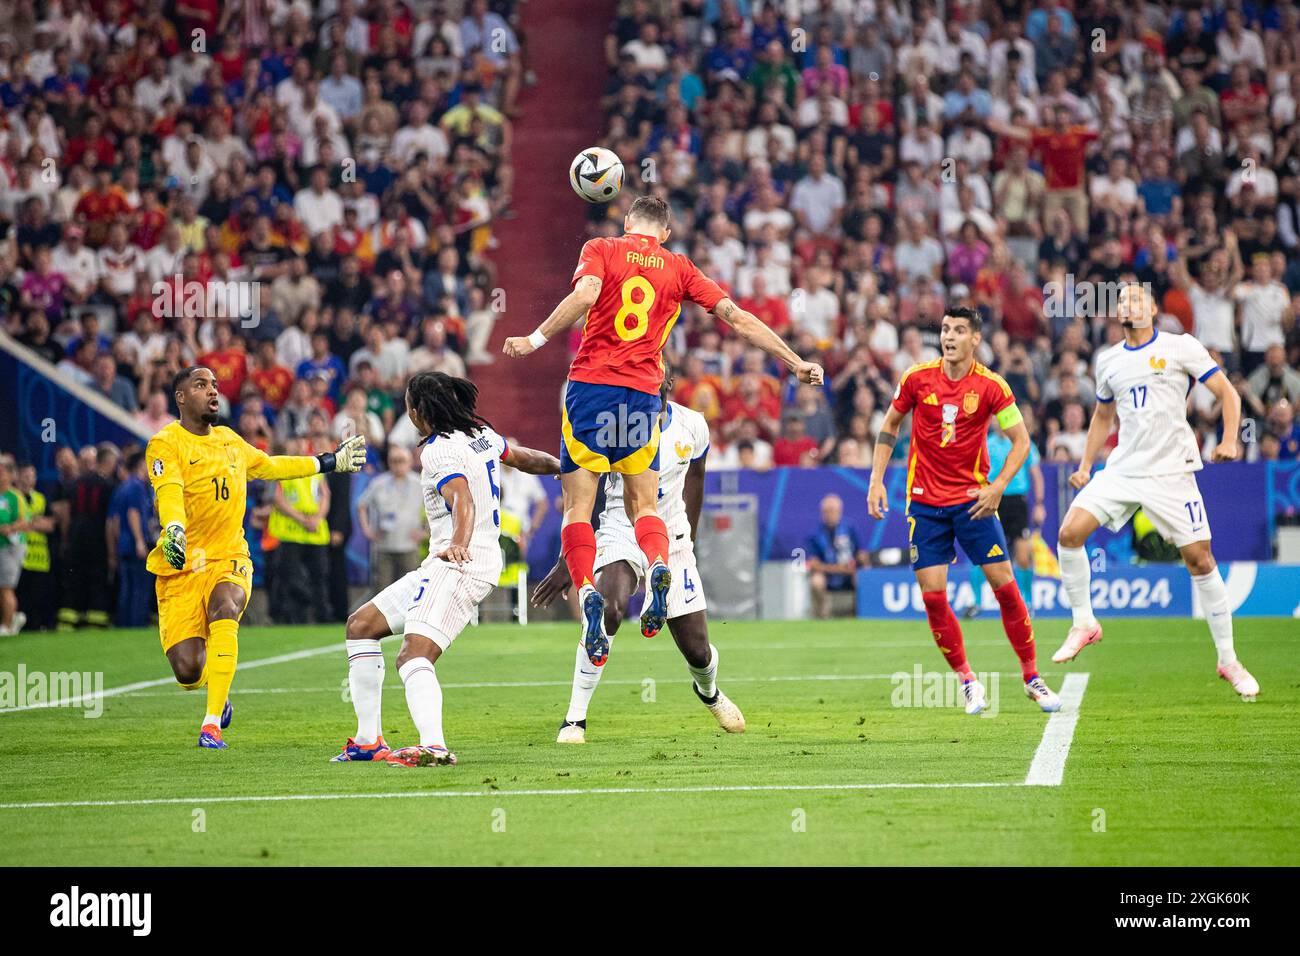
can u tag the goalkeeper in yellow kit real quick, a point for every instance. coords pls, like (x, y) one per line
(199, 474)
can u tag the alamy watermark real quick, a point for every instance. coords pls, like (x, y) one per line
(1084, 299)
(180, 297)
(24, 689)
(922, 688)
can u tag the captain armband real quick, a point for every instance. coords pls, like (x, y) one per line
(1010, 416)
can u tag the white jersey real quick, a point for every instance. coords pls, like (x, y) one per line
(684, 439)
(1149, 385)
(476, 458)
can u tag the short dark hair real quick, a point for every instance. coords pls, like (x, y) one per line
(183, 376)
(965, 312)
(650, 209)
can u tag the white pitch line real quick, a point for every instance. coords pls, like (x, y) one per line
(1048, 766)
(165, 681)
(501, 794)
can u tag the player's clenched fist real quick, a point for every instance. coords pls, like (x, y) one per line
(1226, 450)
(877, 500)
(517, 346)
(173, 545)
(810, 373)
(1081, 477)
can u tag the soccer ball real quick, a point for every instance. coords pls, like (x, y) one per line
(596, 174)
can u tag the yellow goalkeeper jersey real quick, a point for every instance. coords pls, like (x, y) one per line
(212, 473)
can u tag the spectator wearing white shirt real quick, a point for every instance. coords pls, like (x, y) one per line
(119, 263)
(318, 206)
(1211, 296)
(1265, 308)
(1236, 44)
(818, 199)
(420, 136)
(156, 88)
(814, 308)
(77, 263)
(647, 51)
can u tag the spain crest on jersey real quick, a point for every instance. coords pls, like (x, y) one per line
(970, 402)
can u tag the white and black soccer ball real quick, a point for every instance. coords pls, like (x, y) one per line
(596, 174)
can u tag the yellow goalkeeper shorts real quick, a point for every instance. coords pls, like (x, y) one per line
(183, 598)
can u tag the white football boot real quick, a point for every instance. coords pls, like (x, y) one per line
(726, 713)
(1042, 695)
(1240, 679)
(572, 732)
(976, 698)
(1080, 636)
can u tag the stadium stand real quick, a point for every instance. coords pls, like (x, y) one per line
(318, 199)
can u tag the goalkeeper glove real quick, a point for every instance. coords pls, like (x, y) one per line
(173, 545)
(350, 456)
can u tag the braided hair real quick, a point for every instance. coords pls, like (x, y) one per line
(445, 403)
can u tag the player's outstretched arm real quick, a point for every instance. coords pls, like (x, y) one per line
(1228, 448)
(349, 456)
(752, 330)
(1103, 420)
(461, 502)
(571, 308)
(532, 461)
(877, 497)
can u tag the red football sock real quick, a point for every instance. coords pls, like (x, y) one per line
(1015, 621)
(946, 631)
(578, 546)
(652, 538)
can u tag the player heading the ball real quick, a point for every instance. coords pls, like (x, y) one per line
(631, 289)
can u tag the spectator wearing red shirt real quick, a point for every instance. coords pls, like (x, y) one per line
(1061, 149)
(794, 448)
(227, 361)
(772, 310)
(751, 401)
(272, 379)
(101, 206)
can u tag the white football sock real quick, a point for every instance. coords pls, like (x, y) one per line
(586, 676)
(706, 677)
(1214, 602)
(214, 719)
(424, 700)
(366, 685)
(1076, 577)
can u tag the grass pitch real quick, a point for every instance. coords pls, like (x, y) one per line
(1165, 764)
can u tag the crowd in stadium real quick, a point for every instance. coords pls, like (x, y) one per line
(847, 168)
(844, 168)
(300, 196)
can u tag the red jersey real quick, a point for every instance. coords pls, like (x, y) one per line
(948, 459)
(641, 293)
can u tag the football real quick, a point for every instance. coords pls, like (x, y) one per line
(596, 174)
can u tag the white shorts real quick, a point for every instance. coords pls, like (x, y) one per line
(1172, 502)
(436, 600)
(617, 542)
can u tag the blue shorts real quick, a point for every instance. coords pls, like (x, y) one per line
(610, 428)
(934, 531)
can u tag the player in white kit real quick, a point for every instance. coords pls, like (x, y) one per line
(431, 605)
(620, 567)
(1144, 381)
